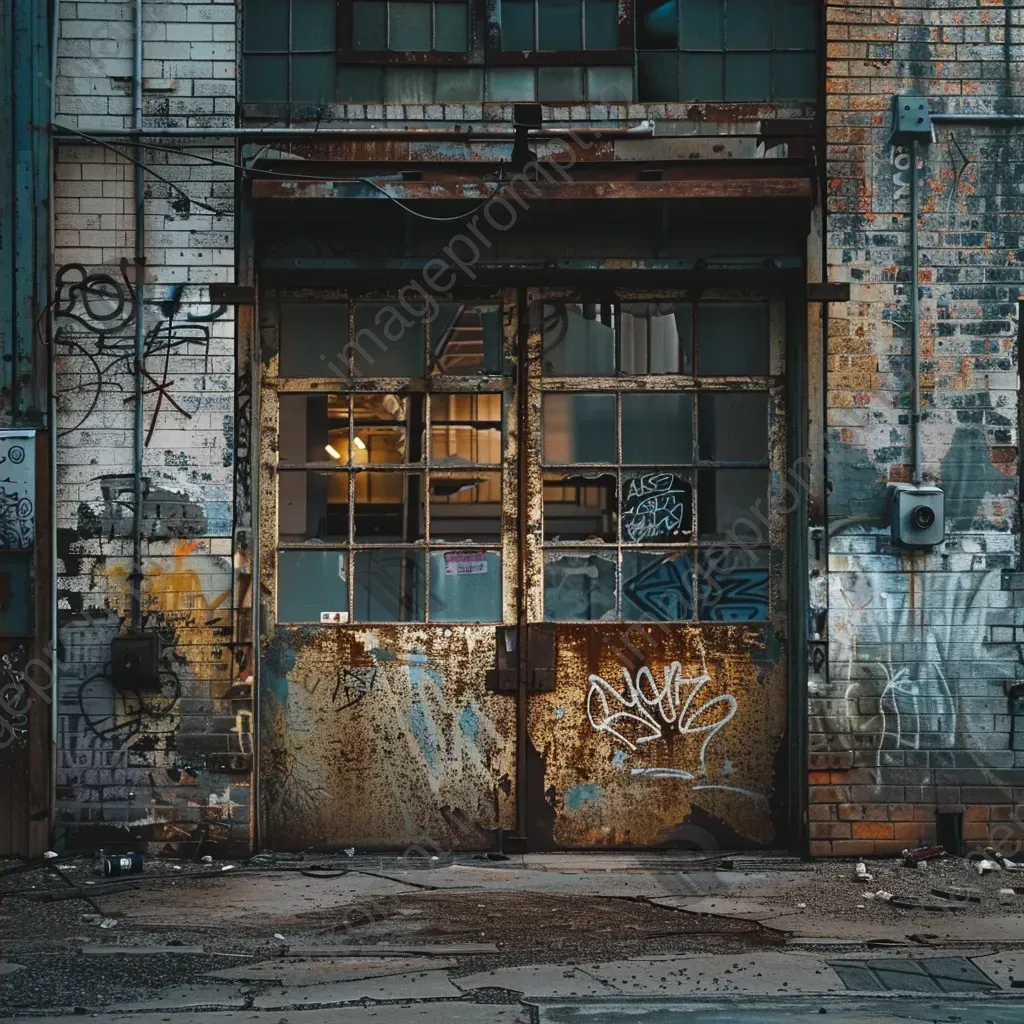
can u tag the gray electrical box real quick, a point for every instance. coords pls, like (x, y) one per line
(911, 120)
(917, 516)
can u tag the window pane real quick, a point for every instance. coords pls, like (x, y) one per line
(602, 24)
(409, 85)
(265, 25)
(465, 586)
(465, 507)
(657, 24)
(15, 593)
(389, 586)
(465, 428)
(657, 77)
(657, 587)
(313, 23)
(702, 24)
(369, 25)
(451, 27)
(732, 505)
(656, 508)
(309, 583)
(313, 79)
(795, 25)
(459, 85)
(610, 85)
(313, 339)
(387, 430)
(579, 587)
(656, 337)
(579, 428)
(748, 76)
(732, 585)
(795, 77)
(390, 340)
(580, 506)
(360, 85)
(517, 25)
(748, 24)
(559, 24)
(409, 26)
(266, 79)
(466, 338)
(312, 505)
(508, 84)
(389, 507)
(559, 85)
(578, 338)
(312, 428)
(702, 77)
(657, 429)
(732, 339)
(733, 426)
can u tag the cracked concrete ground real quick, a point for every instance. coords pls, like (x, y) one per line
(559, 938)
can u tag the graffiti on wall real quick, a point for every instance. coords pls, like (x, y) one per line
(17, 490)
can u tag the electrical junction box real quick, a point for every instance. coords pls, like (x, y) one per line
(135, 661)
(917, 516)
(911, 120)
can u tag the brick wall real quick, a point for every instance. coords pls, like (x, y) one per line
(914, 717)
(166, 768)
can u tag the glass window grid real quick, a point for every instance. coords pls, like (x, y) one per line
(435, 385)
(687, 385)
(349, 53)
(537, 53)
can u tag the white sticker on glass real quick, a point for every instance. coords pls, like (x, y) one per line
(465, 563)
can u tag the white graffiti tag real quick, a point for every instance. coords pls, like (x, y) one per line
(676, 705)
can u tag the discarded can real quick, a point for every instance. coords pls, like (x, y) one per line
(122, 864)
(921, 854)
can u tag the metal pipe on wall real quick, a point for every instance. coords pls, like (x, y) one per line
(915, 317)
(140, 326)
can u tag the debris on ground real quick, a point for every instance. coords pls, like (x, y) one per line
(1003, 861)
(985, 866)
(861, 873)
(922, 854)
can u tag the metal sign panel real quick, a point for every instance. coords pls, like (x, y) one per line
(17, 490)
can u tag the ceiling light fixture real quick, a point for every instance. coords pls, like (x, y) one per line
(332, 451)
(359, 443)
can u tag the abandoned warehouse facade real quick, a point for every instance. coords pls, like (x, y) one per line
(563, 423)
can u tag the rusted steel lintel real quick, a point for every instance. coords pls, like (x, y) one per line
(691, 188)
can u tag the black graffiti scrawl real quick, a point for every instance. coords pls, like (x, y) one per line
(17, 491)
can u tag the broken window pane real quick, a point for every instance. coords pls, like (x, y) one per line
(465, 428)
(657, 77)
(451, 27)
(466, 338)
(602, 25)
(465, 586)
(312, 505)
(313, 23)
(266, 79)
(559, 85)
(313, 339)
(580, 506)
(312, 428)
(387, 428)
(702, 23)
(732, 585)
(369, 25)
(657, 428)
(578, 338)
(313, 78)
(748, 24)
(748, 76)
(309, 583)
(610, 85)
(408, 25)
(657, 587)
(389, 586)
(390, 339)
(389, 507)
(510, 84)
(579, 428)
(732, 339)
(517, 25)
(559, 25)
(579, 586)
(701, 77)
(733, 426)
(266, 25)
(465, 507)
(657, 508)
(656, 337)
(657, 24)
(732, 505)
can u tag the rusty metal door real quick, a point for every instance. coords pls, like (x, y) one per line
(656, 493)
(388, 536)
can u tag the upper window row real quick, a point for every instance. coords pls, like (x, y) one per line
(422, 51)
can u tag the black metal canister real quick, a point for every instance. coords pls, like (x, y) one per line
(122, 864)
